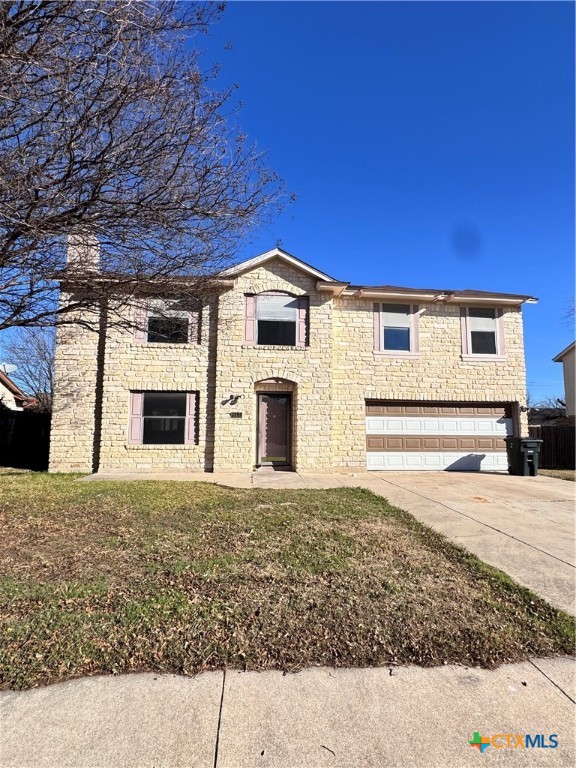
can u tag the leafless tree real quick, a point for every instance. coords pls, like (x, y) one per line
(31, 351)
(569, 314)
(551, 403)
(111, 131)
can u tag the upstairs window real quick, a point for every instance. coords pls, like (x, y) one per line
(396, 329)
(177, 322)
(168, 330)
(481, 332)
(275, 319)
(163, 418)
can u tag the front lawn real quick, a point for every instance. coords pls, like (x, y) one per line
(117, 577)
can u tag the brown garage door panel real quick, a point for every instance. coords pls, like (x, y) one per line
(376, 443)
(375, 408)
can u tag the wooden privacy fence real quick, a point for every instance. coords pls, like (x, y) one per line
(557, 449)
(24, 439)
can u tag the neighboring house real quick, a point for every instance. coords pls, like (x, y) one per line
(568, 359)
(11, 396)
(287, 367)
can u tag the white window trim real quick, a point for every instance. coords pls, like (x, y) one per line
(414, 332)
(467, 353)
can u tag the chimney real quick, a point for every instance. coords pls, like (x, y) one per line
(83, 252)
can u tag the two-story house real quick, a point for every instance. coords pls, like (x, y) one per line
(284, 366)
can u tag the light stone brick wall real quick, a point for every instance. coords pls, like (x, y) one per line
(330, 380)
(72, 426)
(439, 373)
(129, 365)
(138, 366)
(240, 367)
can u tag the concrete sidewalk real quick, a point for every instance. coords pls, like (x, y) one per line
(522, 525)
(318, 718)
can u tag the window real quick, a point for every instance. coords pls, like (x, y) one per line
(168, 330)
(276, 319)
(396, 329)
(481, 333)
(176, 322)
(163, 418)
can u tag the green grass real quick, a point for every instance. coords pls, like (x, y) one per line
(117, 577)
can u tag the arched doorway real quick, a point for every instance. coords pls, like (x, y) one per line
(275, 433)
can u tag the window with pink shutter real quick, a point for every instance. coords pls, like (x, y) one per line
(194, 330)
(396, 329)
(163, 418)
(178, 323)
(276, 319)
(250, 319)
(140, 324)
(302, 321)
(135, 426)
(482, 332)
(191, 427)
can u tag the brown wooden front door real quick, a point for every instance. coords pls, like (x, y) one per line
(274, 422)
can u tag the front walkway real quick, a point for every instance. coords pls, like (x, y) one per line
(522, 525)
(318, 718)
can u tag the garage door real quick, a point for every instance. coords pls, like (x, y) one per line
(441, 435)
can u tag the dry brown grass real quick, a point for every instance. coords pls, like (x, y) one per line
(561, 474)
(118, 577)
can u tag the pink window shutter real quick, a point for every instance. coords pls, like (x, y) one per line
(194, 327)
(501, 348)
(250, 320)
(135, 428)
(302, 322)
(377, 329)
(415, 340)
(191, 412)
(140, 330)
(464, 329)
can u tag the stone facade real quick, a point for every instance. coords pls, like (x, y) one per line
(329, 380)
(72, 432)
(437, 373)
(240, 367)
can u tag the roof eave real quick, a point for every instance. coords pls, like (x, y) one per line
(447, 297)
(13, 388)
(561, 355)
(495, 299)
(276, 253)
(333, 287)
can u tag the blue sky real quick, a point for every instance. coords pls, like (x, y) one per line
(429, 144)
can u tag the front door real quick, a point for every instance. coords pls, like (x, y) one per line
(274, 416)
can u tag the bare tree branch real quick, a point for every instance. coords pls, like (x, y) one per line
(109, 128)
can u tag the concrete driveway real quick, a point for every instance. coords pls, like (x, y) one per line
(522, 525)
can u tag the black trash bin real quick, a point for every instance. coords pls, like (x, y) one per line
(523, 454)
